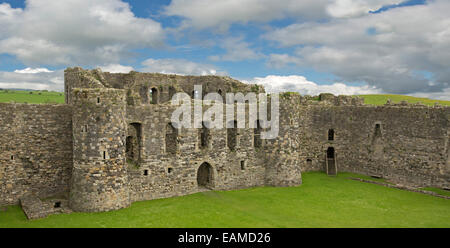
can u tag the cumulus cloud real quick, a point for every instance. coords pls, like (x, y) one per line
(33, 70)
(295, 83)
(403, 50)
(221, 14)
(353, 8)
(179, 66)
(236, 50)
(33, 78)
(116, 68)
(74, 32)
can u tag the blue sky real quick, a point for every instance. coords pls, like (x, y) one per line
(310, 46)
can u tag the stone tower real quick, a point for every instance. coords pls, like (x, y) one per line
(99, 177)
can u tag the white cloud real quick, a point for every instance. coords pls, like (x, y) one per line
(33, 70)
(74, 32)
(295, 83)
(221, 14)
(390, 50)
(236, 50)
(116, 68)
(353, 8)
(33, 78)
(179, 66)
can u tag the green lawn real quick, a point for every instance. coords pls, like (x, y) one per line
(382, 99)
(321, 201)
(21, 96)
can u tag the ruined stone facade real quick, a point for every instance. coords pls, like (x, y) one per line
(113, 142)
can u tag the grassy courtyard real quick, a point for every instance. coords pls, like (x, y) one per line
(321, 201)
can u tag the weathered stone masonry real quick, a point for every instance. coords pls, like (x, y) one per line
(112, 143)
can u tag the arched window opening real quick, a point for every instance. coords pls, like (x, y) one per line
(153, 95)
(232, 134)
(171, 139)
(204, 136)
(331, 134)
(134, 142)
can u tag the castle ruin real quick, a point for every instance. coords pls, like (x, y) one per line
(113, 143)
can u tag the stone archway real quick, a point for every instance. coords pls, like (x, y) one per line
(205, 176)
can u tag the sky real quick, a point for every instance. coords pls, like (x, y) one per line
(309, 46)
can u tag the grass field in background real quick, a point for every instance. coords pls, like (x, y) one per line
(21, 96)
(382, 99)
(321, 201)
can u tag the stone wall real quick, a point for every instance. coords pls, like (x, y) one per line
(113, 143)
(140, 85)
(404, 143)
(35, 150)
(99, 179)
(163, 174)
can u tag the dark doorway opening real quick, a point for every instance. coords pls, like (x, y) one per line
(205, 175)
(331, 162)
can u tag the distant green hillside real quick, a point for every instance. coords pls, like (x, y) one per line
(21, 96)
(382, 99)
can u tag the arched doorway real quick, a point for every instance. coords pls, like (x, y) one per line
(331, 162)
(205, 176)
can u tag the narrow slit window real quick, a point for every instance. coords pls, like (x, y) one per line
(243, 165)
(331, 134)
(170, 170)
(104, 155)
(145, 172)
(257, 142)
